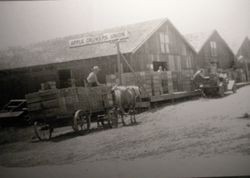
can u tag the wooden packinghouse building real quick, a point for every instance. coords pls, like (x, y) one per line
(149, 45)
(244, 49)
(243, 57)
(212, 50)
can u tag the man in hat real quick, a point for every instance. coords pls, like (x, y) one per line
(92, 78)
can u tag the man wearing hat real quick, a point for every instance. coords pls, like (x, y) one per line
(92, 78)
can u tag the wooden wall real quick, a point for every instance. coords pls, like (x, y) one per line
(18, 82)
(151, 51)
(224, 56)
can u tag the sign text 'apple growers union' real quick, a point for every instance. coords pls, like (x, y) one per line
(106, 37)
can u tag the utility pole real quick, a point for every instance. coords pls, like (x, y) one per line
(119, 62)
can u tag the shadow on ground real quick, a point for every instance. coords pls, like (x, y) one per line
(71, 134)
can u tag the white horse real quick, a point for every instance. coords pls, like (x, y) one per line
(124, 99)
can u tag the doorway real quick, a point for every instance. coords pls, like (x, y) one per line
(64, 76)
(157, 64)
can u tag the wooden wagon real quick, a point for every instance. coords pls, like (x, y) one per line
(76, 106)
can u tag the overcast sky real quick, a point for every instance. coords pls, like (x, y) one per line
(22, 23)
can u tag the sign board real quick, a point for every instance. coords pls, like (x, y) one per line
(106, 37)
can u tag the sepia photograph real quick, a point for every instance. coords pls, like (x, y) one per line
(124, 88)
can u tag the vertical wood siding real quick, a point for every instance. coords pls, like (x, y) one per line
(224, 56)
(151, 51)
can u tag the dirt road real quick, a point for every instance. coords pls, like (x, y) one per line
(207, 136)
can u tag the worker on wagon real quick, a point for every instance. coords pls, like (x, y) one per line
(92, 77)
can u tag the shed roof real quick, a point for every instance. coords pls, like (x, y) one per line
(58, 50)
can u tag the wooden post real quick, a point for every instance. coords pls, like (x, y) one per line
(119, 63)
(247, 71)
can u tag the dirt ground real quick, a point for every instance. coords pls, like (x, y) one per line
(202, 137)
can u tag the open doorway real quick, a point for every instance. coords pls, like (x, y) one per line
(157, 64)
(64, 76)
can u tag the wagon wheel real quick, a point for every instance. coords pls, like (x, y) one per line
(112, 118)
(43, 131)
(81, 121)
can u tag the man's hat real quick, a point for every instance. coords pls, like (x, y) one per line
(96, 68)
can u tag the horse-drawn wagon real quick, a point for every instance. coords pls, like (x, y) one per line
(76, 106)
(79, 107)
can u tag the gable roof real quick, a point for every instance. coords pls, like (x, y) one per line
(246, 42)
(244, 49)
(234, 45)
(58, 50)
(197, 40)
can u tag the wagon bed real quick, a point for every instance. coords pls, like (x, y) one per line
(56, 107)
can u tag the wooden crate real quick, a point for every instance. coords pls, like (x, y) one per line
(166, 81)
(157, 83)
(111, 80)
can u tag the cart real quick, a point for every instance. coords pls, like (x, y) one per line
(14, 114)
(215, 85)
(76, 106)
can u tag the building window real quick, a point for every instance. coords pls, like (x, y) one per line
(213, 48)
(164, 42)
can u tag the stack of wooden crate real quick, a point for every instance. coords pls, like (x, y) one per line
(167, 82)
(43, 103)
(157, 84)
(175, 81)
(129, 78)
(186, 80)
(111, 79)
(146, 82)
(94, 99)
(69, 98)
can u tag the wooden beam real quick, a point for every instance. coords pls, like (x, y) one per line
(175, 95)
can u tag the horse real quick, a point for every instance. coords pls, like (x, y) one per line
(124, 100)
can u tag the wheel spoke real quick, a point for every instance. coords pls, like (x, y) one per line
(81, 121)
